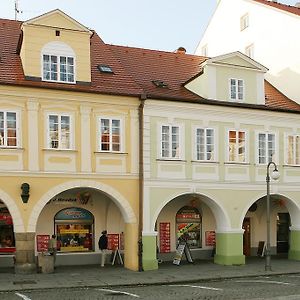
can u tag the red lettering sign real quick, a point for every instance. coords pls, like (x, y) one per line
(42, 242)
(210, 238)
(164, 237)
(113, 241)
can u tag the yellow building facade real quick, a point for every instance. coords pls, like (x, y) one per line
(69, 149)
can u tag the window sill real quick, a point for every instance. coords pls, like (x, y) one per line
(12, 148)
(170, 159)
(237, 163)
(59, 150)
(291, 166)
(57, 81)
(205, 162)
(110, 152)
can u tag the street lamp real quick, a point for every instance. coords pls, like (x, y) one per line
(275, 175)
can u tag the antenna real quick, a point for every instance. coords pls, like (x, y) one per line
(17, 11)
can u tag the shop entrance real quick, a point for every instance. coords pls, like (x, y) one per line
(247, 237)
(7, 239)
(283, 224)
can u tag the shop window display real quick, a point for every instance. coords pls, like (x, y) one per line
(75, 230)
(188, 226)
(7, 242)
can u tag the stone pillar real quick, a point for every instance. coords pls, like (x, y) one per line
(150, 251)
(25, 259)
(131, 246)
(229, 248)
(294, 251)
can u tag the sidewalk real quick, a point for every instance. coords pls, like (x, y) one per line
(109, 276)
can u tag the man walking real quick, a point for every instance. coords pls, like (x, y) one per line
(52, 247)
(103, 246)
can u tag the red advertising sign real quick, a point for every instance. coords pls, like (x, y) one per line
(113, 241)
(42, 242)
(5, 219)
(210, 238)
(164, 237)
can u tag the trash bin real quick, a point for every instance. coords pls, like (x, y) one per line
(46, 262)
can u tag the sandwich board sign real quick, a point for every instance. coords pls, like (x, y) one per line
(182, 248)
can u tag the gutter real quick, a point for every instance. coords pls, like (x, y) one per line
(143, 97)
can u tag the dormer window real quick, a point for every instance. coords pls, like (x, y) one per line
(58, 63)
(244, 21)
(236, 89)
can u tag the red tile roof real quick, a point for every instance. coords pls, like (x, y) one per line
(288, 8)
(134, 71)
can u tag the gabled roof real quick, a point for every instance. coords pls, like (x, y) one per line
(244, 60)
(135, 72)
(288, 8)
(66, 19)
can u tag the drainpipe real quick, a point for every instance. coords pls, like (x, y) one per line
(141, 179)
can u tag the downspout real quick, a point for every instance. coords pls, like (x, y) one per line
(141, 180)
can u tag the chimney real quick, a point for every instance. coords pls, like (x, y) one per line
(181, 50)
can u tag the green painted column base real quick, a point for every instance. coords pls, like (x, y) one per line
(294, 252)
(149, 252)
(294, 255)
(229, 260)
(149, 265)
(229, 249)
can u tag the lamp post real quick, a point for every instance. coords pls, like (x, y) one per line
(275, 176)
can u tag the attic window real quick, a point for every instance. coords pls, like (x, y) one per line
(105, 69)
(160, 83)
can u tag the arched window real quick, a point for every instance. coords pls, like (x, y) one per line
(74, 228)
(58, 63)
(188, 226)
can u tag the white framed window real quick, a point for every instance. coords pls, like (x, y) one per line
(266, 147)
(293, 149)
(205, 144)
(237, 146)
(204, 50)
(170, 141)
(58, 63)
(110, 134)
(244, 21)
(237, 89)
(9, 132)
(59, 131)
(249, 50)
(58, 68)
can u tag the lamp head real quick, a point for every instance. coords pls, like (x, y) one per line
(275, 174)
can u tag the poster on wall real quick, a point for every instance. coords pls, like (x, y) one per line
(210, 238)
(164, 237)
(42, 242)
(113, 241)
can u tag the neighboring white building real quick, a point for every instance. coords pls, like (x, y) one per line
(267, 31)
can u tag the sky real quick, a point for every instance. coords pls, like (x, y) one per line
(152, 24)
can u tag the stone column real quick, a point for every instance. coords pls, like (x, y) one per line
(294, 251)
(150, 251)
(25, 258)
(131, 246)
(229, 248)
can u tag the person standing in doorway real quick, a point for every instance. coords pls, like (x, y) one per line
(52, 247)
(103, 246)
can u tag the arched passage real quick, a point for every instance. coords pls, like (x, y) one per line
(116, 197)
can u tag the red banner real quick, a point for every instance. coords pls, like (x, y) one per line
(42, 242)
(164, 237)
(113, 241)
(210, 238)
